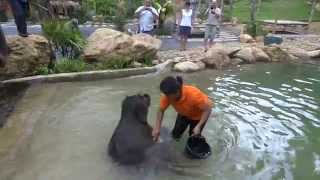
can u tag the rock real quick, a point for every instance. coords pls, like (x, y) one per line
(186, 67)
(178, 59)
(314, 54)
(26, 55)
(144, 46)
(236, 61)
(137, 64)
(216, 57)
(253, 54)
(246, 54)
(260, 55)
(105, 44)
(276, 53)
(246, 38)
(201, 65)
(298, 52)
(155, 62)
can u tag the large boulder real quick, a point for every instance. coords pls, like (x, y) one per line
(26, 55)
(252, 55)
(144, 46)
(188, 66)
(107, 44)
(246, 38)
(260, 55)
(247, 55)
(217, 57)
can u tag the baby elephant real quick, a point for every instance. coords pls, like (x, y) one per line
(133, 135)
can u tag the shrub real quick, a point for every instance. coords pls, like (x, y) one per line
(115, 63)
(42, 71)
(68, 65)
(65, 37)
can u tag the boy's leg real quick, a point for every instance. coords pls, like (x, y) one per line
(212, 35)
(193, 124)
(179, 127)
(206, 36)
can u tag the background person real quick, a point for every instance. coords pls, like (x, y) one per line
(147, 17)
(3, 49)
(20, 11)
(185, 25)
(192, 105)
(214, 14)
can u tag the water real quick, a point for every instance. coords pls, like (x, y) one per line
(265, 126)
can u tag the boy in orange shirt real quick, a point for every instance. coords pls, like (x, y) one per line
(192, 105)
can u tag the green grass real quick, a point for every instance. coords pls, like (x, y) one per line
(297, 10)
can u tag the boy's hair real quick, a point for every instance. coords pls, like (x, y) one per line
(188, 3)
(171, 85)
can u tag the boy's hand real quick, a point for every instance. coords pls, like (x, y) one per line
(155, 134)
(196, 130)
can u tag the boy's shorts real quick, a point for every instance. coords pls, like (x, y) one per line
(182, 123)
(211, 31)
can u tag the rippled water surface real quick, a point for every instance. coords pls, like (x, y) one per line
(266, 125)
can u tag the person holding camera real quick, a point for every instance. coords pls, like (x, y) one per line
(147, 17)
(214, 14)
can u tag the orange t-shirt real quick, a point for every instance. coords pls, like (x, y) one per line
(191, 104)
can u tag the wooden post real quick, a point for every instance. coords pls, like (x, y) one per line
(313, 7)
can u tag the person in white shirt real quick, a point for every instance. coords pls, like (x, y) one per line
(147, 17)
(214, 14)
(185, 25)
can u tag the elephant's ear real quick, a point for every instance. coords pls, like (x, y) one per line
(141, 111)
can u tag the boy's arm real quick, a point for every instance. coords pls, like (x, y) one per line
(204, 118)
(156, 129)
(139, 10)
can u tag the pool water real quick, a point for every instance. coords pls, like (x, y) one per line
(265, 125)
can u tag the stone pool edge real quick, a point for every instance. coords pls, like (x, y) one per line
(81, 76)
(88, 75)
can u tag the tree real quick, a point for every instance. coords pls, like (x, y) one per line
(253, 20)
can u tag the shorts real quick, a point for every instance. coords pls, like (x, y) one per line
(182, 123)
(184, 30)
(148, 32)
(211, 31)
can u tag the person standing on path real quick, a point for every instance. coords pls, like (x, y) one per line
(214, 14)
(147, 17)
(185, 25)
(3, 49)
(20, 10)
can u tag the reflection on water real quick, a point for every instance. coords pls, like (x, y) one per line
(265, 126)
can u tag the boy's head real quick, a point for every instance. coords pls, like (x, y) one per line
(214, 4)
(147, 3)
(187, 4)
(172, 87)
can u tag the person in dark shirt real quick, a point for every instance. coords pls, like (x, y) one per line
(20, 10)
(3, 49)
